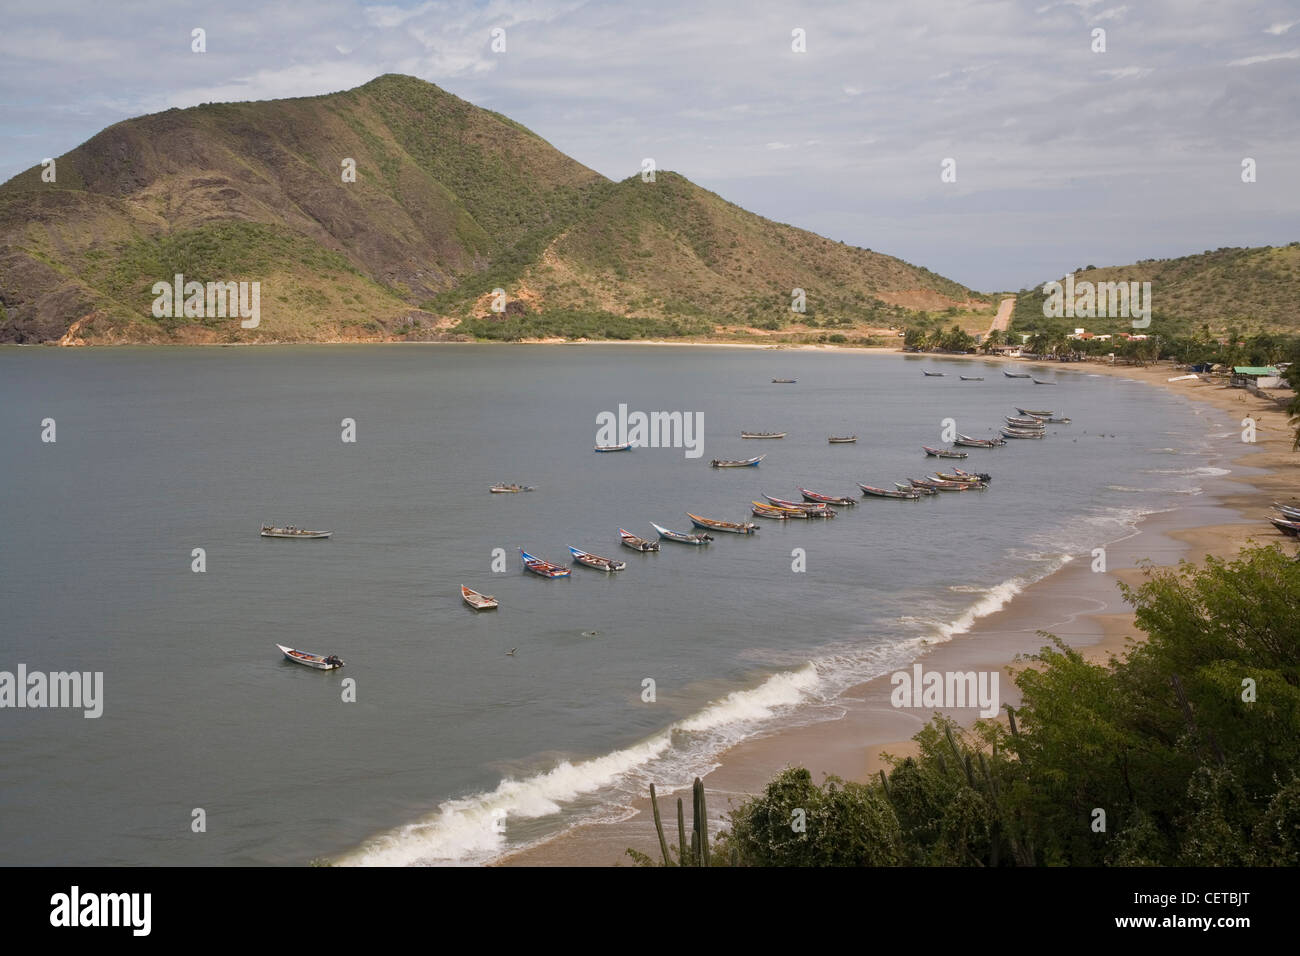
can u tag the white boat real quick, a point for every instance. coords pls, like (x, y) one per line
(289, 531)
(623, 447)
(479, 602)
(318, 661)
(608, 565)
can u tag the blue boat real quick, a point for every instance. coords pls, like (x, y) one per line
(623, 447)
(544, 568)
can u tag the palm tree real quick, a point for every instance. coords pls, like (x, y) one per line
(1038, 343)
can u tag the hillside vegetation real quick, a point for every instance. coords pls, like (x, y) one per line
(449, 203)
(1253, 290)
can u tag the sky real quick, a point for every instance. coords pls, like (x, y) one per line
(1064, 154)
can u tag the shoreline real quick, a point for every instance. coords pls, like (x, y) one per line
(1084, 609)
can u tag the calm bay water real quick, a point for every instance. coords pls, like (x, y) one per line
(160, 451)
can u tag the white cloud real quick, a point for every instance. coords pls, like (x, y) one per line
(1265, 58)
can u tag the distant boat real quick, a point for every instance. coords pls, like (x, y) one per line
(886, 493)
(1035, 414)
(596, 561)
(783, 381)
(636, 544)
(959, 475)
(745, 463)
(1021, 433)
(544, 568)
(968, 442)
(318, 661)
(932, 374)
(682, 536)
(479, 602)
(781, 514)
(1016, 374)
(623, 447)
(731, 527)
(842, 441)
(966, 483)
(763, 434)
(827, 499)
(972, 378)
(1057, 421)
(1028, 424)
(289, 531)
(1038, 382)
(918, 489)
(812, 507)
(938, 484)
(943, 452)
(509, 489)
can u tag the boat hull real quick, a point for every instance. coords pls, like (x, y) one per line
(943, 452)
(479, 602)
(681, 537)
(730, 527)
(541, 568)
(314, 661)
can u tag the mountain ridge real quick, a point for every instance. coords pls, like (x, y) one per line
(450, 202)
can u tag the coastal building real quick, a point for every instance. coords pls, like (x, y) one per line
(1260, 376)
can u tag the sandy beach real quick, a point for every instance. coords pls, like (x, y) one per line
(1083, 608)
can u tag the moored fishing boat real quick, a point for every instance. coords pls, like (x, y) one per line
(743, 463)
(966, 476)
(763, 434)
(932, 374)
(1021, 433)
(1016, 374)
(630, 540)
(940, 484)
(504, 489)
(320, 662)
(1034, 413)
(1291, 512)
(842, 441)
(783, 381)
(826, 499)
(1040, 382)
(479, 602)
(943, 452)
(731, 527)
(886, 493)
(1056, 421)
(1017, 422)
(799, 505)
(772, 511)
(682, 536)
(917, 489)
(541, 567)
(623, 447)
(972, 378)
(595, 560)
(289, 531)
(969, 442)
(815, 510)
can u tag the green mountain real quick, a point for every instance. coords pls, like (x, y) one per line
(449, 203)
(1251, 290)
